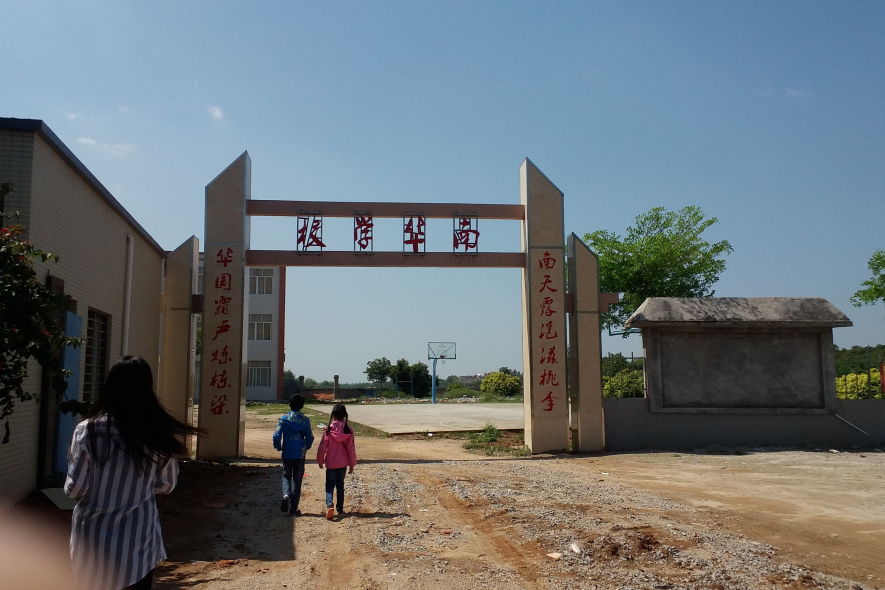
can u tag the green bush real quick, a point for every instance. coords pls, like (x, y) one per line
(488, 434)
(457, 389)
(499, 384)
(626, 383)
(617, 362)
(860, 385)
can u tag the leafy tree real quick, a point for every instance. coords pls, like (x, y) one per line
(511, 372)
(30, 316)
(400, 375)
(499, 384)
(875, 287)
(421, 379)
(289, 380)
(378, 370)
(858, 359)
(456, 389)
(474, 384)
(617, 362)
(311, 383)
(662, 256)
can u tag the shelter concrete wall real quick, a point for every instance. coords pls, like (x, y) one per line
(740, 370)
(630, 425)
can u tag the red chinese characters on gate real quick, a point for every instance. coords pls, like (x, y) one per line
(310, 233)
(549, 328)
(414, 234)
(218, 346)
(363, 233)
(465, 234)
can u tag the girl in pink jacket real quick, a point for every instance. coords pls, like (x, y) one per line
(337, 452)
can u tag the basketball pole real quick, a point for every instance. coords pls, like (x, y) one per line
(433, 384)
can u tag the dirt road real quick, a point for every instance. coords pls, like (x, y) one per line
(428, 513)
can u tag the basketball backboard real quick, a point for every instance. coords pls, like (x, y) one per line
(440, 350)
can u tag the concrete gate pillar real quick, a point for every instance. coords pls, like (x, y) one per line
(585, 347)
(225, 296)
(544, 312)
(176, 375)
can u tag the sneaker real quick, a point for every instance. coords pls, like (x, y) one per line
(341, 512)
(284, 504)
(296, 512)
(330, 512)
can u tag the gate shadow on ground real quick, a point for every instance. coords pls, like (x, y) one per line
(212, 515)
(223, 514)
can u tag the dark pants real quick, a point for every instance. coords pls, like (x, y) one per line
(335, 481)
(293, 475)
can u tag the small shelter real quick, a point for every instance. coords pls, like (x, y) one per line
(736, 354)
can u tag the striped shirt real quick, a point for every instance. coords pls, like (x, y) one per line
(115, 530)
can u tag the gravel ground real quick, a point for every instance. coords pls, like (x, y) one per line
(521, 523)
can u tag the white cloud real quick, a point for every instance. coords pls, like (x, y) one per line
(118, 149)
(72, 116)
(215, 113)
(115, 149)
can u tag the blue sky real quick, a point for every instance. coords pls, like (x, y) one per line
(769, 116)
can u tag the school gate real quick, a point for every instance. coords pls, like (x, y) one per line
(557, 417)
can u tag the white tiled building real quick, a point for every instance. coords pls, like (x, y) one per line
(112, 269)
(265, 333)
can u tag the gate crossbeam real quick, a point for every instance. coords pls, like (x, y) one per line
(268, 208)
(385, 259)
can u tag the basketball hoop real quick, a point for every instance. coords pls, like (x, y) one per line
(439, 351)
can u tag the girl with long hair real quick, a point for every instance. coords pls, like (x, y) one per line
(122, 454)
(338, 452)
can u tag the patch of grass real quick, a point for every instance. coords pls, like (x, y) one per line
(491, 441)
(488, 398)
(274, 409)
(268, 409)
(358, 429)
(453, 435)
(488, 434)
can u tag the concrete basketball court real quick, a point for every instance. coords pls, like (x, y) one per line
(410, 418)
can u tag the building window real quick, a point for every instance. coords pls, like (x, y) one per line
(96, 349)
(259, 326)
(260, 281)
(258, 374)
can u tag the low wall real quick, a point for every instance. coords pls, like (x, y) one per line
(629, 425)
(326, 394)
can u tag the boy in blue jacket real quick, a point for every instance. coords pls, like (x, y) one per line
(293, 437)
